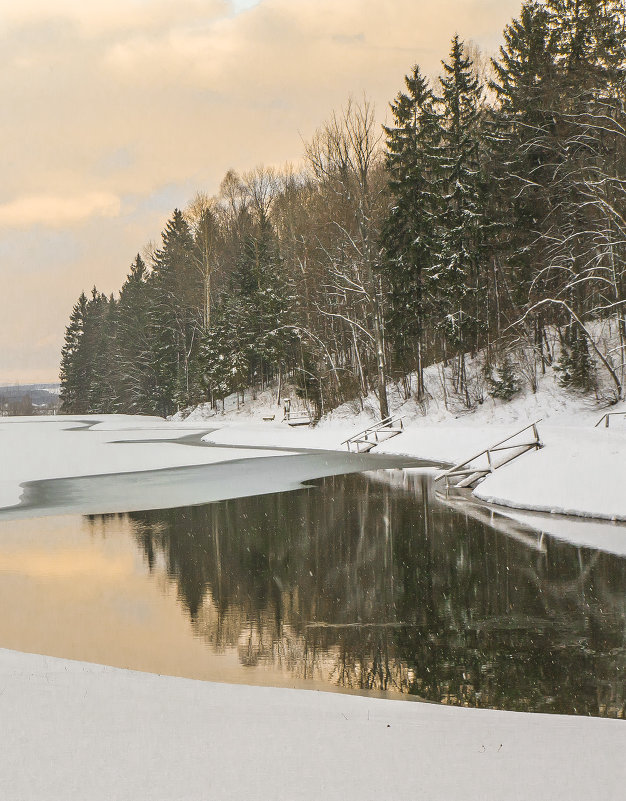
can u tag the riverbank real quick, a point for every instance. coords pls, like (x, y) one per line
(580, 471)
(73, 730)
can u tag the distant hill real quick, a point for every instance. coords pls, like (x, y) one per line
(40, 394)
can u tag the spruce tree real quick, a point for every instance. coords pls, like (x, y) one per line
(75, 366)
(263, 325)
(456, 279)
(101, 329)
(408, 231)
(135, 342)
(177, 316)
(522, 143)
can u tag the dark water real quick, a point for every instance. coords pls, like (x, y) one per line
(351, 583)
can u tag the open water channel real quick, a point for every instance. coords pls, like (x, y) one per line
(365, 582)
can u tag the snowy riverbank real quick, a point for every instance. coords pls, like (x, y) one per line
(581, 470)
(73, 730)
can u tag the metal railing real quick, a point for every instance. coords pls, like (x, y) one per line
(606, 418)
(389, 427)
(469, 475)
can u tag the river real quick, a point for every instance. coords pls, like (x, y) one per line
(365, 582)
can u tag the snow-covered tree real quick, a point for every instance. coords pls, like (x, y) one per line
(457, 278)
(75, 364)
(409, 229)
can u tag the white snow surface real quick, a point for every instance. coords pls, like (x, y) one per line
(577, 472)
(41, 448)
(79, 731)
(581, 470)
(72, 730)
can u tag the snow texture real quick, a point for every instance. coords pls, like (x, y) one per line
(43, 448)
(78, 731)
(73, 730)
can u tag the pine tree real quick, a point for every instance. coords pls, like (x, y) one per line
(522, 142)
(456, 279)
(577, 185)
(87, 369)
(102, 324)
(575, 366)
(408, 231)
(75, 366)
(134, 343)
(264, 324)
(177, 315)
(503, 384)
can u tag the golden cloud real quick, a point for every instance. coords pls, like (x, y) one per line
(151, 100)
(103, 18)
(57, 211)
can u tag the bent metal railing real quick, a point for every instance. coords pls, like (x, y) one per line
(367, 439)
(606, 418)
(470, 473)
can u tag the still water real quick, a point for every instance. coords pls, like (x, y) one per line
(353, 583)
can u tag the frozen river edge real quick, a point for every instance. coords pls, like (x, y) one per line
(75, 730)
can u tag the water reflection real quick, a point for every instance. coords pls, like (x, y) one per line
(372, 587)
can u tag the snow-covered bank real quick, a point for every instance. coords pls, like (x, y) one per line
(579, 471)
(45, 448)
(100, 465)
(73, 730)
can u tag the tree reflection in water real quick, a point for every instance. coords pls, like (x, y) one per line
(373, 587)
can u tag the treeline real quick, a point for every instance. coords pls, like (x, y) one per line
(490, 211)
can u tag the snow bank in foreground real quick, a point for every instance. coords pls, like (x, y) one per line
(72, 730)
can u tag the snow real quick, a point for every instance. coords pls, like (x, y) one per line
(73, 730)
(595, 534)
(580, 471)
(43, 448)
(280, 435)
(577, 472)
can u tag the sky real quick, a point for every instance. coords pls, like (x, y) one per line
(115, 112)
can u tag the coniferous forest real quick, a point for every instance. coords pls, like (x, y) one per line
(490, 210)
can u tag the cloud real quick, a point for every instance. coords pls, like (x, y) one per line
(53, 211)
(149, 101)
(282, 44)
(98, 18)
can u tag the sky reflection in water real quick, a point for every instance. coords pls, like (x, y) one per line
(352, 584)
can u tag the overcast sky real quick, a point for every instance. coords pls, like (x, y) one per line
(115, 112)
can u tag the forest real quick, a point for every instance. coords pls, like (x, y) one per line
(489, 212)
